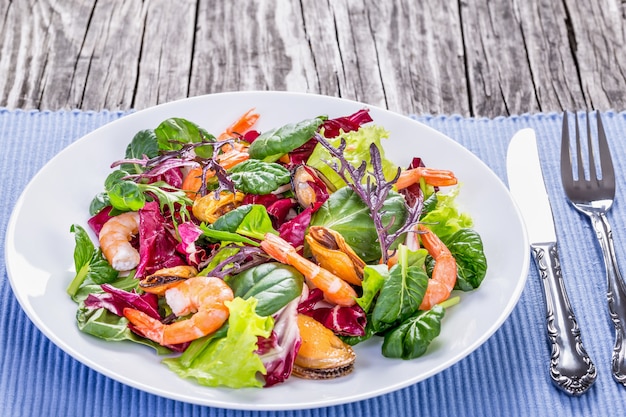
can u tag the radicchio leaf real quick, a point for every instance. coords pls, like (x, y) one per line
(344, 321)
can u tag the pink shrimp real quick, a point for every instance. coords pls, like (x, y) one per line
(203, 296)
(435, 177)
(444, 274)
(115, 238)
(334, 288)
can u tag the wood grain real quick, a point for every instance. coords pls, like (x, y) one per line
(470, 57)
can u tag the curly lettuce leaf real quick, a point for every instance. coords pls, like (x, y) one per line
(358, 144)
(230, 361)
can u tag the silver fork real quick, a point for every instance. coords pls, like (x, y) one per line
(594, 197)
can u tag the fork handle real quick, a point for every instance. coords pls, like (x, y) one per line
(571, 368)
(616, 294)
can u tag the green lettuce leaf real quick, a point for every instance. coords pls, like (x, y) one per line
(230, 361)
(357, 150)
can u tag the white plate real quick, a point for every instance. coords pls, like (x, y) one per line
(39, 253)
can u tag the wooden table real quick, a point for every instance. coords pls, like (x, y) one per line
(467, 57)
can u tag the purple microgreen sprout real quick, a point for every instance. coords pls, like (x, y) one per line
(374, 192)
(245, 258)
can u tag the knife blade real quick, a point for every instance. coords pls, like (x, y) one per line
(571, 368)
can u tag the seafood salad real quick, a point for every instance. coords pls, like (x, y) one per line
(249, 257)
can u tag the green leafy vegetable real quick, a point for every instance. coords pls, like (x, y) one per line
(127, 195)
(89, 263)
(143, 145)
(345, 212)
(229, 361)
(273, 144)
(411, 339)
(273, 284)
(258, 177)
(358, 144)
(241, 224)
(401, 293)
(467, 248)
(445, 219)
(174, 132)
(102, 323)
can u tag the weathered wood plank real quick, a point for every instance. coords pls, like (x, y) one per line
(474, 57)
(420, 55)
(167, 47)
(599, 44)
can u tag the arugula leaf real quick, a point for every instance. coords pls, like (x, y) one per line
(89, 263)
(273, 144)
(411, 339)
(258, 177)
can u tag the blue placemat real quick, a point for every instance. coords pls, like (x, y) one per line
(506, 376)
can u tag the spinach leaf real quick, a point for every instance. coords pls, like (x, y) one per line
(103, 324)
(273, 144)
(374, 277)
(89, 263)
(126, 196)
(273, 284)
(99, 203)
(240, 224)
(143, 144)
(345, 212)
(400, 295)
(174, 132)
(411, 339)
(258, 177)
(467, 248)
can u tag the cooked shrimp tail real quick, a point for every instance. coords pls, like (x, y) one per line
(434, 177)
(115, 237)
(334, 288)
(203, 297)
(443, 279)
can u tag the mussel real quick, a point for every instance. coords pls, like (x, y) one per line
(322, 354)
(333, 253)
(163, 279)
(309, 186)
(209, 209)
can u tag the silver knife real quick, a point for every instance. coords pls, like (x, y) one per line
(571, 368)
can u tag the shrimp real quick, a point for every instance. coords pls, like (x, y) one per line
(444, 274)
(203, 296)
(434, 177)
(240, 126)
(334, 288)
(114, 241)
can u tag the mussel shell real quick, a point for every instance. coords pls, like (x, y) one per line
(301, 179)
(322, 354)
(166, 278)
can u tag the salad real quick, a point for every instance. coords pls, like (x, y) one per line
(251, 257)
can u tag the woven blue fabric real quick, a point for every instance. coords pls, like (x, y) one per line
(505, 376)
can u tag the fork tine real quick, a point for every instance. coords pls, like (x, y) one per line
(579, 154)
(606, 163)
(566, 158)
(592, 164)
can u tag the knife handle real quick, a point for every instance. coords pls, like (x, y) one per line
(571, 368)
